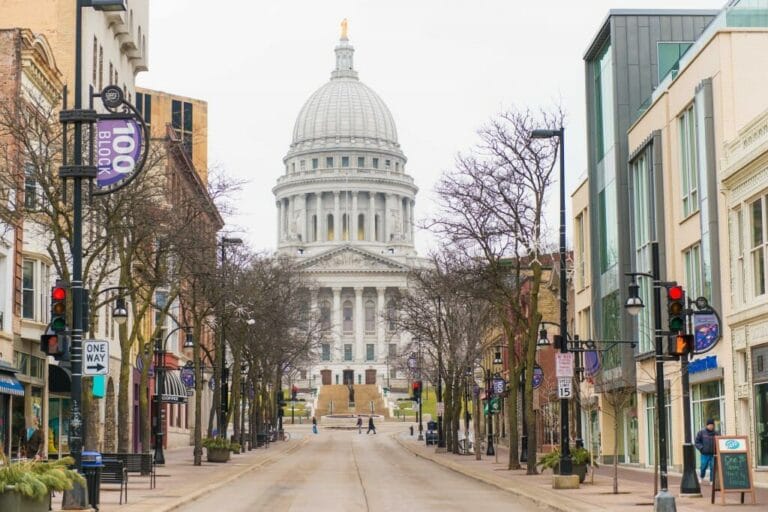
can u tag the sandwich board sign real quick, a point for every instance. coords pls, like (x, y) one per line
(95, 357)
(733, 469)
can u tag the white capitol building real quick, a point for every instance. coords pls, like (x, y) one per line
(346, 209)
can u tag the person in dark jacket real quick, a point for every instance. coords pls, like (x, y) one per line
(371, 426)
(33, 445)
(705, 443)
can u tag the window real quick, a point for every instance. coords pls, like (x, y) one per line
(325, 315)
(580, 253)
(361, 227)
(95, 60)
(387, 164)
(611, 328)
(182, 122)
(329, 226)
(293, 167)
(688, 170)
(391, 316)
(326, 356)
(360, 162)
(392, 350)
(609, 235)
(651, 426)
(669, 56)
(315, 163)
(347, 312)
(329, 162)
(693, 275)
(101, 67)
(345, 161)
(603, 87)
(375, 162)
(758, 248)
(739, 290)
(397, 166)
(369, 352)
(708, 401)
(30, 187)
(28, 290)
(144, 106)
(302, 165)
(370, 317)
(643, 220)
(348, 352)
(111, 72)
(345, 226)
(314, 228)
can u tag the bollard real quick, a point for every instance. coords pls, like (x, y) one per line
(411, 430)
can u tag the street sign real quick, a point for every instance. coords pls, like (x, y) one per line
(95, 357)
(440, 408)
(564, 389)
(564, 364)
(499, 386)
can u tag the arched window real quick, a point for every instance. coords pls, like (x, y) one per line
(370, 317)
(314, 228)
(329, 225)
(391, 316)
(347, 316)
(325, 315)
(361, 227)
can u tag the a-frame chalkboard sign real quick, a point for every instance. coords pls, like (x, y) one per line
(733, 468)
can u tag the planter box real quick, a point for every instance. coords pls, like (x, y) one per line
(218, 454)
(12, 501)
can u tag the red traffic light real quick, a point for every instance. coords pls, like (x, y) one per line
(59, 293)
(675, 293)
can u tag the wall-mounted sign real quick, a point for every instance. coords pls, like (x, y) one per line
(564, 364)
(706, 331)
(118, 148)
(702, 364)
(591, 363)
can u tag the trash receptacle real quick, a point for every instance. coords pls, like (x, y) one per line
(91, 464)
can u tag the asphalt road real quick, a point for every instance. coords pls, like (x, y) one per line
(345, 471)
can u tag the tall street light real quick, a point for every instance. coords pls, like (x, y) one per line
(223, 389)
(440, 427)
(664, 501)
(566, 466)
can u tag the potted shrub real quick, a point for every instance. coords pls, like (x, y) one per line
(551, 461)
(235, 447)
(26, 486)
(218, 449)
(580, 459)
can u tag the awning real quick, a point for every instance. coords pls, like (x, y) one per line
(10, 385)
(174, 391)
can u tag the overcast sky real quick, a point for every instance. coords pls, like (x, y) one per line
(442, 66)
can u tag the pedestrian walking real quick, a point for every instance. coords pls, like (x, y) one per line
(371, 426)
(314, 425)
(359, 425)
(33, 442)
(705, 443)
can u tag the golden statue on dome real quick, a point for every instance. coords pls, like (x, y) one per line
(344, 26)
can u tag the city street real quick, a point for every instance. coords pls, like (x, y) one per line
(344, 471)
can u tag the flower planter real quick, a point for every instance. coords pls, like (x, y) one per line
(12, 501)
(581, 470)
(218, 454)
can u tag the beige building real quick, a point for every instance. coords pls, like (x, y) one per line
(697, 185)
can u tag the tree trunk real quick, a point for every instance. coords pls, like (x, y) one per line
(234, 409)
(124, 393)
(198, 450)
(478, 435)
(146, 424)
(514, 456)
(615, 451)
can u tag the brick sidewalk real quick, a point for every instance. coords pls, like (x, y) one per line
(635, 486)
(179, 481)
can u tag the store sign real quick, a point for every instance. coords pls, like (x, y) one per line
(706, 332)
(118, 147)
(702, 364)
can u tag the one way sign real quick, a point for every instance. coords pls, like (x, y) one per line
(95, 357)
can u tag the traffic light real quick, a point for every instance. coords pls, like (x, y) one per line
(58, 308)
(416, 387)
(680, 345)
(55, 344)
(676, 309)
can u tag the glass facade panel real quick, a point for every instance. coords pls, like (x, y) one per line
(668, 57)
(651, 428)
(609, 236)
(642, 234)
(693, 276)
(612, 329)
(689, 175)
(603, 67)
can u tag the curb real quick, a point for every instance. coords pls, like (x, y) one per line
(220, 483)
(560, 504)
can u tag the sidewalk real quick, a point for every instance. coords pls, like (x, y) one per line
(635, 487)
(180, 482)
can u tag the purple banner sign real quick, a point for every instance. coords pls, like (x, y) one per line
(187, 376)
(591, 363)
(538, 376)
(706, 332)
(118, 146)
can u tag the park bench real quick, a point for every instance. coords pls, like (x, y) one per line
(113, 472)
(141, 463)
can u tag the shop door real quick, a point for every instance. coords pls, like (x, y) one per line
(761, 418)
(370, 376)
(326, 377)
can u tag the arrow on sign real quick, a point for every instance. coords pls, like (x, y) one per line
(98, 367)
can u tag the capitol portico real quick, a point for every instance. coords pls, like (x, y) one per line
(346, 210)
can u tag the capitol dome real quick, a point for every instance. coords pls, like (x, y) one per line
(344, 113)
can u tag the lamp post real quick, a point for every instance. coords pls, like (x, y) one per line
(223, 389)
(440, 430)
(160, 344)
(566, 467)
(243, 375)
(664, 501)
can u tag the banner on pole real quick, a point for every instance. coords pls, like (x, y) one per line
(118, 147)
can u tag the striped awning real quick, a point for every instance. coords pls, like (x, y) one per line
(10, 385)
(174, 391)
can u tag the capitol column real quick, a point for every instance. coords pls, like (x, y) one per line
(359, 314)
(302, 217)
(279, 219)
(371, 216)
(336, 320)
(413, 227)
(353, 221)
(319, 213)
(337, 227)
(380, 309)
(407, 219)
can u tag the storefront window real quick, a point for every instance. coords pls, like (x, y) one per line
(651, 428)
(4, 419)
(58, 425)
(708, 402)
(761, 418)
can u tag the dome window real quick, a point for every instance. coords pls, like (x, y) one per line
(387, 164)
(329, 162)
(361, 227)
(345, 161)
(293, 167)
(360, 162)
(302, 165)
(315, 163)
(375, 163)
(329, 225)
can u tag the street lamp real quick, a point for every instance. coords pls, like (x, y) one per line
(160, 350)
(664, 500)
(243, 378)
(490, 451)
(566, 466)
(223, 390)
